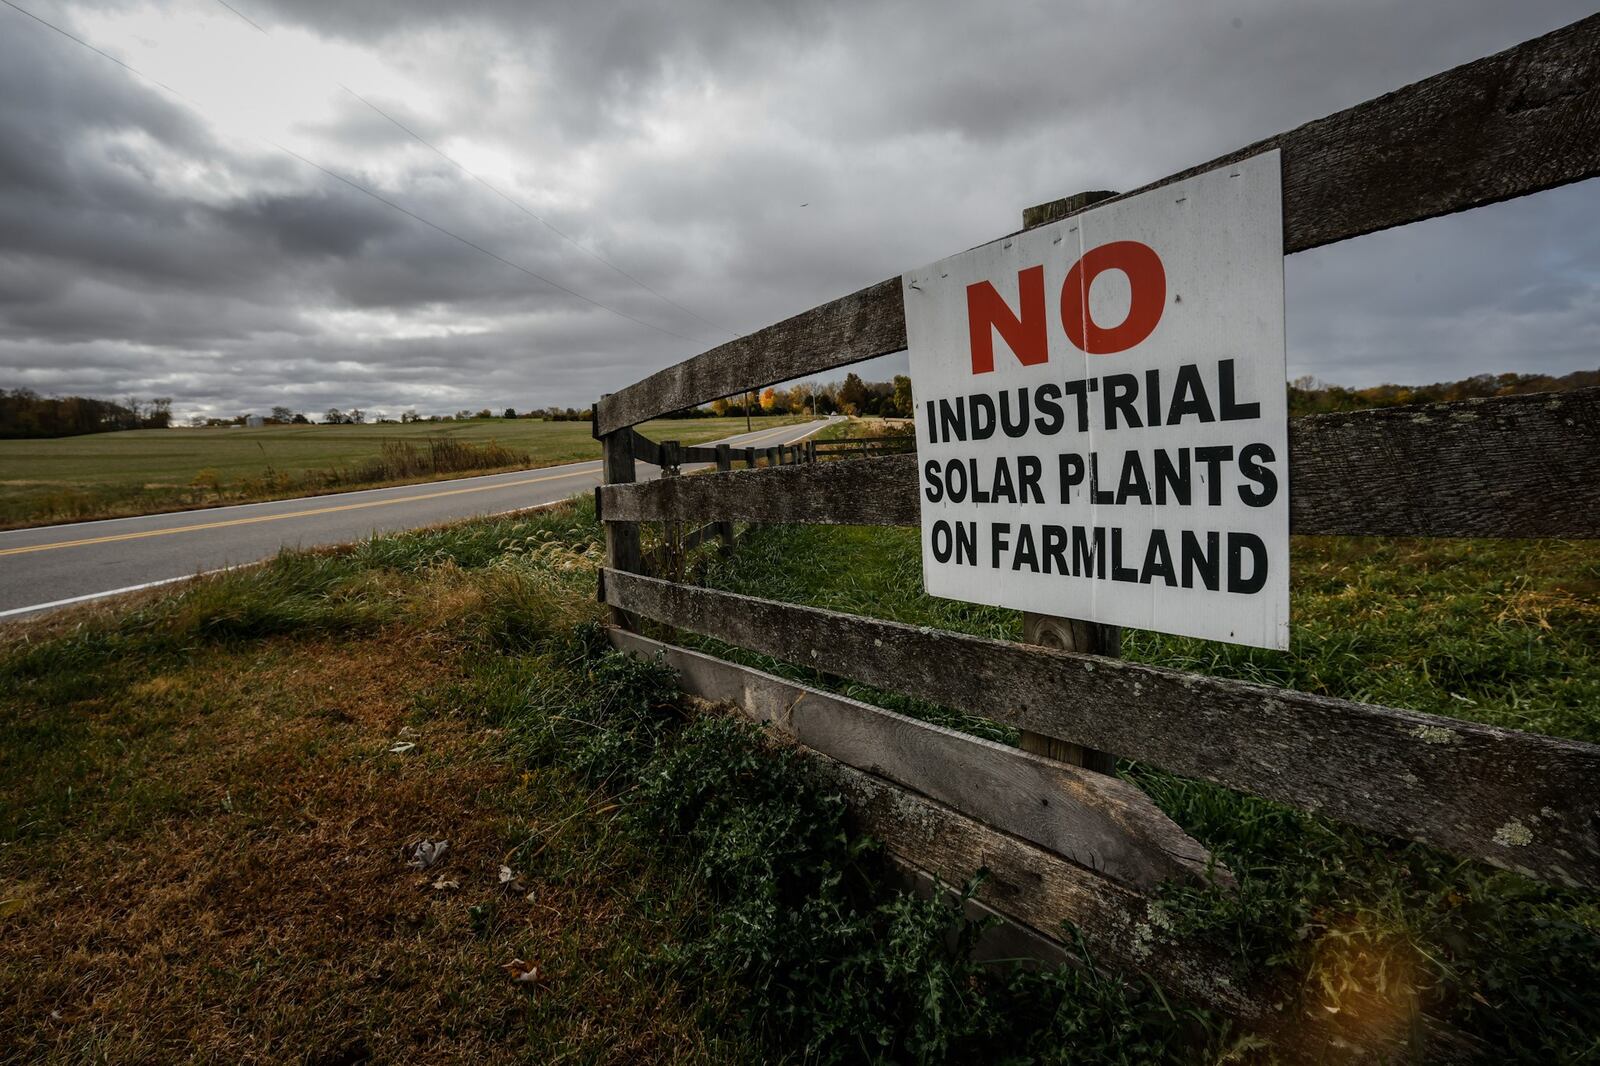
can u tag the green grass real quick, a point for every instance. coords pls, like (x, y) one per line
(143, 471)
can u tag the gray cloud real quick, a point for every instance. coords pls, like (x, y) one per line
(144, 251)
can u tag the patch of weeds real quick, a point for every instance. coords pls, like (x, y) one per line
(838, 964)
(560, 538)
(1383, 931)
(607, 719)
(829, 961)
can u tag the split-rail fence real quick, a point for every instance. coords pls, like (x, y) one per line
(1065, 845)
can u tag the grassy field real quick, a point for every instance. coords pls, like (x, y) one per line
(207, 800)
(143, 471)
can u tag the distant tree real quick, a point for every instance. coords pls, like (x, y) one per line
(902, 395)
(853, 395)
(410, 416)
(511, 412)
(769, 399)
(282, 414)
(356, 416)
(300, 419)
(719, 407)
(334, 417)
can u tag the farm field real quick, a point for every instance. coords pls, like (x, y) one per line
(207, 797)
(145, 471)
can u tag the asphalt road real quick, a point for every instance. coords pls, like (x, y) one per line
(53, 566)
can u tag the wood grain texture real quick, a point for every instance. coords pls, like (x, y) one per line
(1056, 210)
(1511, 124)
(1521, 801)
(1099, 822)
(1511, 466)
(725, 531)
(1042, 891)
(853, 492)
(1070, 634)
(623, 550)
(644, 449)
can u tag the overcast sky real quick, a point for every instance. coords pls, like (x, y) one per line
(743, 160)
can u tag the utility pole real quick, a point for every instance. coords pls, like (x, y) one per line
(747, 411)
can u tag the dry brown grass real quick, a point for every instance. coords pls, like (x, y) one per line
(243, 895)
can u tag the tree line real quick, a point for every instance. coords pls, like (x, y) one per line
(1308, 396)
(24, 413)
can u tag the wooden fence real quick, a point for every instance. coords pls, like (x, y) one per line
(1062, 842)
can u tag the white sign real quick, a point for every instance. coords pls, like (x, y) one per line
(1102, 426)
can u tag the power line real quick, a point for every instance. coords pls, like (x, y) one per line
(355, 184)
(519, 205)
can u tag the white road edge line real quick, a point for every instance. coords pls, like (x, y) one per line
(86, 597)
(305, 499)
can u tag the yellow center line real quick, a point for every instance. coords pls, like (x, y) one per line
(292, 514)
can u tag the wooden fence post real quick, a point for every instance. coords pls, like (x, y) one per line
(622, 538)
(1049, 631)
(750, 458)
(725, 529)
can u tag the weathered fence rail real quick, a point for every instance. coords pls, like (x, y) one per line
(1515, 123)
(1459, 785)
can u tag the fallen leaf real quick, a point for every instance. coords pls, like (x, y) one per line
(401, 748)
(442, 885)
(521, 972)
(511, 881)
(424, 853)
